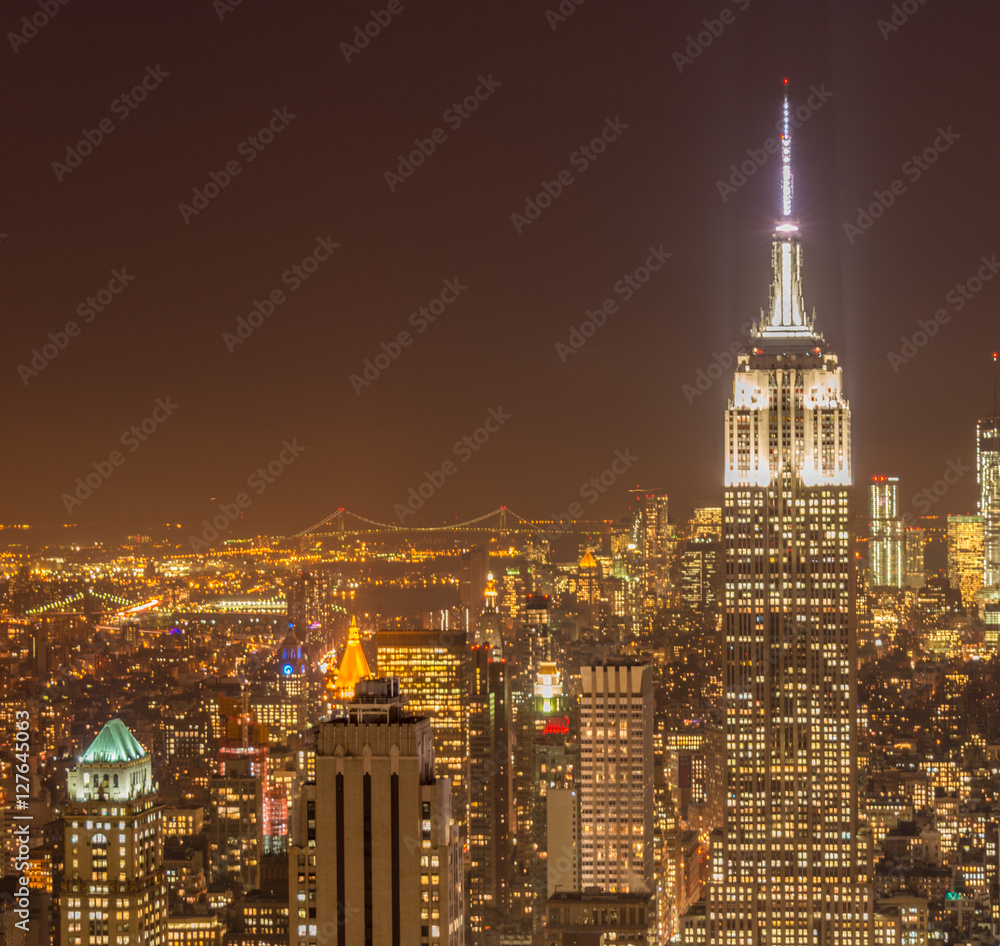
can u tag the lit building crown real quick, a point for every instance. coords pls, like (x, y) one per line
(115, 767)
(354, 666)
(787, 317)
(788, 413)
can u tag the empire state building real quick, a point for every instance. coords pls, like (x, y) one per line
(791, 866)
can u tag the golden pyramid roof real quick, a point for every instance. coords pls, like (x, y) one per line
(588, 560)
(354, 666)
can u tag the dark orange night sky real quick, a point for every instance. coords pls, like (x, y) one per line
(229, 228)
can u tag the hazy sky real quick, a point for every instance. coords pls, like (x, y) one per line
(97, 180)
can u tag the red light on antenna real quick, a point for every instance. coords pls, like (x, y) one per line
(786, 82)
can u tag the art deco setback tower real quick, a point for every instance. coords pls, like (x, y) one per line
(114, 893)
(793, 869)
(378, 858)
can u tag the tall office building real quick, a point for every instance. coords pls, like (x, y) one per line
(655, 537)
(887, 549)
(377, 859)
(699, 579)
(793, 866)
(114, 892)
(965, 556)
(473, 574)
(488, 880)
(531, 651)
(706, 523)
(913, 573)
(988, 473)
(616, 778)
(554, 816)
(236, 813)
(431, 668)
(310, 610)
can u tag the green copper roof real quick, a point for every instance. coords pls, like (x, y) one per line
(114, 743)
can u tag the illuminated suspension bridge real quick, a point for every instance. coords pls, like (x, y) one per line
(506, 520)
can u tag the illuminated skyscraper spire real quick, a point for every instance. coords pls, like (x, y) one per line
(787, 188)
(787, 317)
(791, 866)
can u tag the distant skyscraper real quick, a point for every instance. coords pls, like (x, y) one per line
(913, 576)
(377, 859)
(310, 610)
(616, 781)
(531, 651)
(700, 572)
(236, 818)
(431, 669)
(555, 774)
(474, 569)
(489, 780)
(706, 523)
(655, 537)
(887, 542)
(988, 473)
(792, 869)
(114, 891)
(965, 556)
(588, 583)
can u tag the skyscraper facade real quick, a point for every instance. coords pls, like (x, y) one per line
(616, 777)
(965, 556)
(236, 812)
(488, 880)
(988, 473)
(913, 576)
(114, 891)
(431, 668)
(887, 549)
(377, 859)
(793, 866)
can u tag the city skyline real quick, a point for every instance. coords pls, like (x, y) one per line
(464, 512)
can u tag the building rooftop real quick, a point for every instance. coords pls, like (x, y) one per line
(114, 743)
